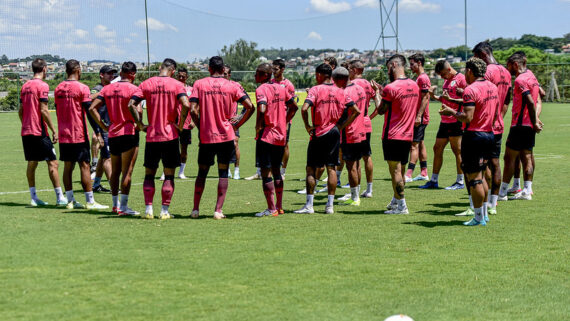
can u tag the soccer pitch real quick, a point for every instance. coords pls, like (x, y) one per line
(357, 264)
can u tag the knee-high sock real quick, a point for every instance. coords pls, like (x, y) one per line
(198, 190)
(222, 190)
(269, 191)
(167, 189)
(279, 193)
(148, 189)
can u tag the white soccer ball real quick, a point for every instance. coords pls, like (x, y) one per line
(399, 317)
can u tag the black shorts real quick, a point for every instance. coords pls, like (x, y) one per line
(185, 137)
(351, 152)
(365, 149)
(323, 150)
(121, 144)
(207, 153)
(521, 138)
(168, 152)
(496, 150)
(79, 152)
(237, 133)
(396, 150)
(476, 148)
(105, 151)
(447, 130)
(38, 148)
(288, 131)
(268, 155)
(419, 133)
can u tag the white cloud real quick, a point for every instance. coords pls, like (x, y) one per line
(103, 32)
(327, 6)
(80, 33)
(313, 35)
(367, 3)
(457, 26)
(155, 25)
(418, 6)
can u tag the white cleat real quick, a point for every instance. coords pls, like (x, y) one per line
(219, 215)
(303, 191)
(329, 209)
(96, 206)
(521, 196)
(397, 211)
(74, 205)
(182, 176)
(421, 178)
(305, 210)
(148, 215)
(323, 190)
(194, 214)
(253, 177)
(502, 198)
(128, 212)
(165, 216)
(514, 190)
(392, 206)
(346, 197)
(366, 195)
(162, 177)
(409, 179)
(266, 212)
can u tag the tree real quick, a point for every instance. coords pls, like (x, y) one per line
(4, 60)
(241, 55)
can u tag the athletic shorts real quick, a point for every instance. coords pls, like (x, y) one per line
(419, 133)
(105, 151)
(476, 148)
(268, 155)
(396, 150)
(496, 150)
(447, 130)
(121, 144)
(365, 149)
(208, 152)
(323, 150)
(521, 138)
(185, 137)
(79, 152)
(351, 152)
(38, 148)
(168, 152)
(288, 131)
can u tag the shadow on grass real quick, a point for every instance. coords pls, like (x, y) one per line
(27, 205)
(435, 224)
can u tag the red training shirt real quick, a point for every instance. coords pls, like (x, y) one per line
(370, 93)
(424, 83)
(34, 92)
(501, 78)
(356, 131)
(484, 96)
(69, 97)
(403, 95)
(327, 103)
(274, 96)
(117, 96)
(451, 85)
(525, 84)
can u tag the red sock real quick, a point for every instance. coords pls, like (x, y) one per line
(279, 193)
(269, 191)
(198, 190)
(424, 171)
(410, 172)
(167, 190)
(148, 190)
(222, 190)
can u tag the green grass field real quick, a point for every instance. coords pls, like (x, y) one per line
(357, 264)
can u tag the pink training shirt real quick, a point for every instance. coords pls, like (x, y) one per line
(484, 96)
(451, 85)
(188, 120)
(235, 103)
(34, 92)
(117, 96)
(327, 103)
(425, 84)
(69, 97)
(370, 93)
(274, 96)
(356, 131)
(287, 84)
(403, 95)
(525, 84)
(162, 95)
(216, 97)
(501, 78)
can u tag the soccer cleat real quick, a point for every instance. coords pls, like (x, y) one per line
(74, 205)
(96, 206)
(502, 198)
(486, 218)
(430, 185)
(347, 185)
(514, 190)
(521, 196)
(344, 198)
(267, 212)
(303, 191)
(468, 212)
(329, 209)
(219, 215)
(162, 177)
(128, 212)
(229, 174)
(115, 210)
(351, 202)
(194, 214)
(397, 211)
(253, 177)
(392, 206)
(366, 195)
(492, 210)
(38, 202)
(165, 216)
(182, 176)
(474, 222)
(100, 189)
(408, 179)
(420, 178)
(279, 212)
(147, 215)
(305, 210)
(236, 175)
(455, 186)
(323, 190)
(61, 203)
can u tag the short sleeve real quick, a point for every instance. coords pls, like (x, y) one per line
(239, 93)
(461, 82)
(44, 92)
(289, 95)
(180, 90)
(195, 92)
(468, 97)
(260, 96)
(522, 86)
(311, 96)
(424, 83)
(347, 100)
(387, 94)
(138, 95)
(86, 94)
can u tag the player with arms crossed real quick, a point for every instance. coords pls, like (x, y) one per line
(186, 133)
(35, 118)
(211, 109)
(236, 154)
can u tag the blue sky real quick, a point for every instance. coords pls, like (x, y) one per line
(186, 29)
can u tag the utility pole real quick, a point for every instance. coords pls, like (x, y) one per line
(147, 40)
(466, 48)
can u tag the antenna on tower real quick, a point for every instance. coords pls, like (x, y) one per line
(388, 25)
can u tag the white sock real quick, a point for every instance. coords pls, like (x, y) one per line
(354, 193)
(310, 198)
(330, 200)
(459, 178)
(94, 160)
(115, 200)
(148, 208)
(33, 193)
(181, 169)
(124, 201)
(236, 171)
(89, 197)
(517, 182)
(69, 195)
(485, 209)
(494, 199)
(401, 203)
(164, 209)
(528, 187)
(479, 214)
(258, 171)
(504, 188)
(471, 201)
(58, 193)
(358, 191)
(338, 173)
(97, 181)
(369, 188)
(434, 177)
(394, 200)
(283, 170)
(489, 195)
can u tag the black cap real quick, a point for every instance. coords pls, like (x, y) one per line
(107, 69)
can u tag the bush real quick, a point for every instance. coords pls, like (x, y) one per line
(11, 101)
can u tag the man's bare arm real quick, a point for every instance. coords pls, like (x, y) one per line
(249, 109)
(351, 118)
(424, 101)
(97, 103)
(183, 111)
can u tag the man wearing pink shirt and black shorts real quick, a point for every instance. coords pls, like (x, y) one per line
(186, 133)
(211, 108)
(162, 94)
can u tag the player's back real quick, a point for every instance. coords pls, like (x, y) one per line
(424, 83)
(33, 92)
(356, 131)
(451, 86)
(484, 96)
(370, 93)
(116, 96)
(501, 78)
(328, 103)
(525, 83)
(274, 96)
(69, 97)
(403, 95)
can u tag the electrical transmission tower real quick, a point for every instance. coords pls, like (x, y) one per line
(388, 25)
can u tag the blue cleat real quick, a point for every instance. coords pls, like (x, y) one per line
(455, 186)
(474, 222)
(430, 185)
(486, 218)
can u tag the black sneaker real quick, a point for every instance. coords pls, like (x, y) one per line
(100, 189)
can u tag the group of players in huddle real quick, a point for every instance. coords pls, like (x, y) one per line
(339, 127)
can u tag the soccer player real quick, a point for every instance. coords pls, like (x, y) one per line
(36, 120)
(418, 150)
(275, 108)
(327, 103)
(480, 108)
(186, 133)
(211, 109)
(162, 94)
(356, 69)
(400, 100)
(236, 155)
(72, 101)
(524, 126)
(106, 75)
(450, 130)
(123, 134)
